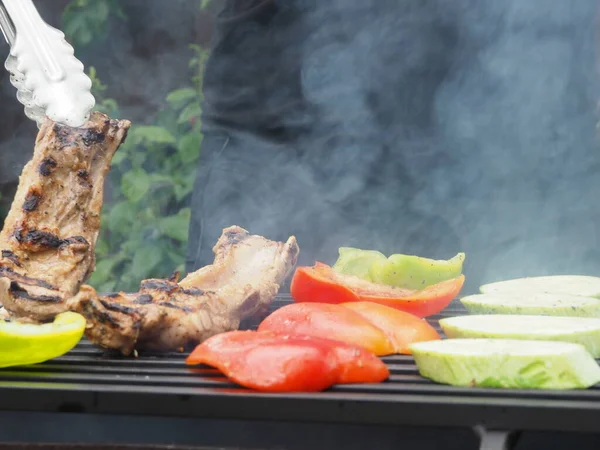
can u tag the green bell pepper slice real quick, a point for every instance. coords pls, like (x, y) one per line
(404, 271)
(353, 261)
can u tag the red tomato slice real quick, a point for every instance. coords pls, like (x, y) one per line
(331, 322)
(400, 327)
(272, 362)
(324, 285)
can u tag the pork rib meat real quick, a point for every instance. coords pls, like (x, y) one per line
(166, 315)
(49, 236)
(47, 253)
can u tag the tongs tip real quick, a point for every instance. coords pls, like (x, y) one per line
(49, 79)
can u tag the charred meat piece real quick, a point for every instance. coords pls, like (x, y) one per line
(50, 233)
(165, 315)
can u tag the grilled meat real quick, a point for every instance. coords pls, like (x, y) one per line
(166, 315)
(47, 244)
(47, 253)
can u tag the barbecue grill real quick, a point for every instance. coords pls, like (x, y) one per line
(455, 70)
(155, 398)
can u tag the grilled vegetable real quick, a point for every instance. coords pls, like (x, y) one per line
(322, 284)
(23, 344)
(329, 321)
(577, 330)
(558, 284)
(273, 362)
(401, 328)
(504, 363)
(405, 271)
(353, 261)
(537, 304)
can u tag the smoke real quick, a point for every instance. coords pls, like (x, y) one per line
(425, 127)
(146, 56)
(519, 115)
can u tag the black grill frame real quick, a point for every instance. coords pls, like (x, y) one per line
(88, 380)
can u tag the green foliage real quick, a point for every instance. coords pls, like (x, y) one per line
(146, 213)
(85, 20)
(106, 105)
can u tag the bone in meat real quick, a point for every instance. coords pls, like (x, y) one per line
(49, 236)
(165, 315)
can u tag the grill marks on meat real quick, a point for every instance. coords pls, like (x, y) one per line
(50, 233)
(36, 240)
(17, 291)
(166, 315)
(7, 272)
(46, 167)
(10, 256)
(47, 252)
(32, 200)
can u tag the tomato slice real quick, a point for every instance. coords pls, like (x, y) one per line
(323, 284)
(400, 327)
(329, 321)
(273, 362)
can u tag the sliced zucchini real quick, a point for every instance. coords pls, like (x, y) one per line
(557, 284)
(535, 304)
(577, 330)
(506, 363)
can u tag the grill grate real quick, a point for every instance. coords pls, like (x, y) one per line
(90, 380)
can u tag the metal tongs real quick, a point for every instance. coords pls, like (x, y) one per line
(50, 80)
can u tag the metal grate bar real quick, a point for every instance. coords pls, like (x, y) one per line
(92, 380)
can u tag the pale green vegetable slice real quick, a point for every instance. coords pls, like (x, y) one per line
(506, 363)
(415, 272)
(536, 304)
(585, 286)
(577, 330)
(353, 261)
(404, 271)
(24, 344)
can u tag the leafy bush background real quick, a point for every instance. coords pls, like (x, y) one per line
(146, 213)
